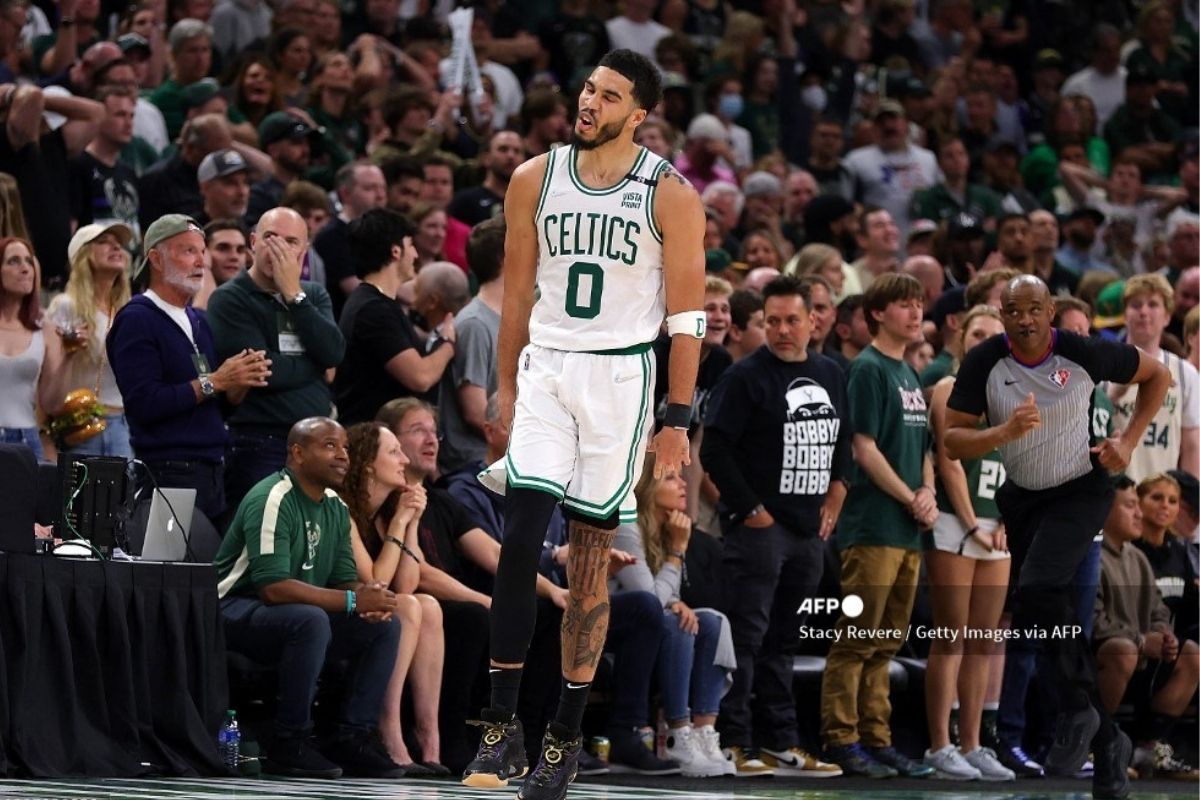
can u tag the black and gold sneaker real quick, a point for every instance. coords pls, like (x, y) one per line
(501, 754)
(556, 768)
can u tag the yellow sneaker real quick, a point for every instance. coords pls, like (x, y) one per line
(747, 763)
(797, 761)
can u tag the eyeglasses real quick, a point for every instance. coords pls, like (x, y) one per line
(421, 430)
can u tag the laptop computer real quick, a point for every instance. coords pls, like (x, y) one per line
(169, 525)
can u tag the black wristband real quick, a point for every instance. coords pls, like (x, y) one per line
(679, 415)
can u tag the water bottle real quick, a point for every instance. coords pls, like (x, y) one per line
(229, 741)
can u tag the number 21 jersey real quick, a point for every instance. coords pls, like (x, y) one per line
(599, 269)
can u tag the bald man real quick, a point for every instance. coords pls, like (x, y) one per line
(1035, 385)
(290, 597)
(440, 291)
(269, 308)
(929, 272)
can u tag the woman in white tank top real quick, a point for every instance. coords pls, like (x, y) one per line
(31, 359)
(97, 288)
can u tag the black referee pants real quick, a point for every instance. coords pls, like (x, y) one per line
(1049, 534)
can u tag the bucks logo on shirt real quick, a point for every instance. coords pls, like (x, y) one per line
(599, 271)
(809, 437)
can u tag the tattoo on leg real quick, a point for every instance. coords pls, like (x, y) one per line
(589, 637)
(587, 560)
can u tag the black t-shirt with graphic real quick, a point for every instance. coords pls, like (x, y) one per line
(778, 433)
(103, 194)
(711, 366)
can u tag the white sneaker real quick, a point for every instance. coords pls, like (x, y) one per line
(708, 742)
(950, 765)
(990, 769)
(682, 747)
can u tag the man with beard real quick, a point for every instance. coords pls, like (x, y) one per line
(1043, 231)
(613, 237)
(360, 187)
(287, 139)
(472, 206)
(1012, 242)
(1036, 382)
(1080, 231)
(163, 357)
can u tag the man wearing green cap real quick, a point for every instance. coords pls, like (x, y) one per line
(165, 363)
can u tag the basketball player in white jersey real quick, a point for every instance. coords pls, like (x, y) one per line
(1172, 440)
(604, 240)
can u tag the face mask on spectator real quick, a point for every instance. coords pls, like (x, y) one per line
(731, 106)
(814, 97)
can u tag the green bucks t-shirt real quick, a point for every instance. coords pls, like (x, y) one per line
(280, 533)
(886, 404)
(937, 369)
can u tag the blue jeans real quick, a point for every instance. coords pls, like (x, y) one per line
(1020, 658)
(25, 436)
(113, 442)
(685, 667)
(299, 639)
(249, 457)
(206, 477)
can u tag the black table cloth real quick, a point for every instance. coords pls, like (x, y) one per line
(109, 669)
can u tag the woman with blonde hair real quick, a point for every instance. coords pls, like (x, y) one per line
(823, 260)
(97, 288)
(968, 564)
(386, 512)
(691, 664)
(12, 212)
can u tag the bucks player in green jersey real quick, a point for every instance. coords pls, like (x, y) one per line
(604, 240)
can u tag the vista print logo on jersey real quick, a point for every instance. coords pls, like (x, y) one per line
(809, 436)
(1060, 377)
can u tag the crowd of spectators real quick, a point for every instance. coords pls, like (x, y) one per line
(247, 217)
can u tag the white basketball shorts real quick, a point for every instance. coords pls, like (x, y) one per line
(580, 428)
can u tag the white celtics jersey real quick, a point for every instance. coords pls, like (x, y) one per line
(599, 270)
(1159, 449)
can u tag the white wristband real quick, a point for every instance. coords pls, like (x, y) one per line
(687, 323)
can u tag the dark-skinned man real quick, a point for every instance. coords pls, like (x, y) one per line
(290, 596)
(1035, 385)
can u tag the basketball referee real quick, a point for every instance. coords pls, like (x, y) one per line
(1035, 384)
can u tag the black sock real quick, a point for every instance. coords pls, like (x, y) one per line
(506, 686)
(571, 704)
(1160, 727)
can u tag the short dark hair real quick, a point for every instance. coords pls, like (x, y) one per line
(866, 212)
(1122, 482)
(1004, 219)
(401, 101)
(540, 104)
(1064, 304)
(647, 81)
(398, 168)
(845, 309)
(786, 286)
(226, 224)
(485, 249)
(743, 303)
(435, 160)
(891, 287)
(372, 237)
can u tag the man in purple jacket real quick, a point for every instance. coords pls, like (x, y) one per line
(162, 355)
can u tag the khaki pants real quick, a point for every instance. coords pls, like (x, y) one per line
(854, 689)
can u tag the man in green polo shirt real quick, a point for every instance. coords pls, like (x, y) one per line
(290, 597)
(954, 195)
(891, 497)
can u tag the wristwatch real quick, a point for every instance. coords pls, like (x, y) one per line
(298, 298)
(206, 387)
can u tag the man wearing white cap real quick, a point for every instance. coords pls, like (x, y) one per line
(707, 141)
(224, 178)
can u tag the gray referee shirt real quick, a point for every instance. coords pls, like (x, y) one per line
(993, 381)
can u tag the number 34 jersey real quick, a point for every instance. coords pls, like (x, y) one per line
(599, 269)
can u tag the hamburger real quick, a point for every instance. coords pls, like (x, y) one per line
(81, 418)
